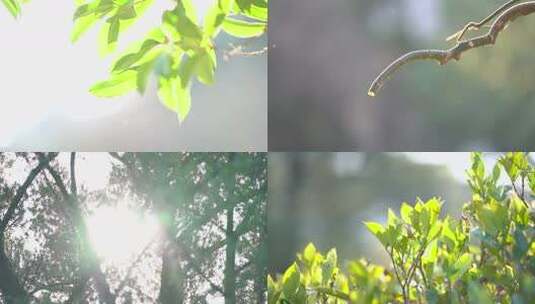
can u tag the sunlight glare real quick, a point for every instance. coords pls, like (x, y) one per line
(118, 233)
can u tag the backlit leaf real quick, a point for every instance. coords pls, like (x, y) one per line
(243, 29)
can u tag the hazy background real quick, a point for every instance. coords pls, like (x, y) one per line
(44, 82)
(327, 53)
(324, 197)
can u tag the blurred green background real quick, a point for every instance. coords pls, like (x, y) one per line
(326, 53)
(324, 197)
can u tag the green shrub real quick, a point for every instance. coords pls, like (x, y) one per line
(486, 256)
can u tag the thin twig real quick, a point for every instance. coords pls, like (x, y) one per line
(422, 273)
(444, 56)
(21, 191)
(239, 51)
(333, 293)
(132, 266)
(391, 255)
(477, 25)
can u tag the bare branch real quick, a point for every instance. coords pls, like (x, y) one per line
(74, 191)
(132, 266)
(21, 191)
(444, 56)
(477, 25)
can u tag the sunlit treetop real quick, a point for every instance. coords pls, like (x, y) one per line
(133, 228)
(175, 52)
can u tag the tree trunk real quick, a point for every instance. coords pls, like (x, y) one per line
(171, 278)
(102, 286)
(260, 281)
(12, 290)
(229, 281)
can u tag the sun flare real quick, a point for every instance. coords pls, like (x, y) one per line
(118, 233)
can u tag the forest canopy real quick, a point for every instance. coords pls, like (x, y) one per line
(132, 227)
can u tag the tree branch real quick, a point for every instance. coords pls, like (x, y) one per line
(12, 289)
(43, 162)
(333, 293)
(133, 265)
(91, 264)
(444, 56)
(477, 25)
(74, 191)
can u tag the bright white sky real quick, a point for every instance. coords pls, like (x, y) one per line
(39, 78)
(118, 234)
(456, 162)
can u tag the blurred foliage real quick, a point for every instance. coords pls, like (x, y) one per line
(486, 256)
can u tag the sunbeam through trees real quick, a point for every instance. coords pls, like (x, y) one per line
(132, 227)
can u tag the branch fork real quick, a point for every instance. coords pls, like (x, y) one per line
(506, 14)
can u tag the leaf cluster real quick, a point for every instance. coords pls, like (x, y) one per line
(176, 52)
(486, 256)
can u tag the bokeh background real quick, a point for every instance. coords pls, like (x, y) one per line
(324, 197)
(46, 105)
(326, 53)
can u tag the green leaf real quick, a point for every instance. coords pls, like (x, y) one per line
(130, 59)
(531, 181)
(82, 11)
(477, 294)
(108, 36)
(118, 84)
(243, 29)
(493, 217)
(330, 264)
(514, 163)
(309, 253)
(273, 291)
(448, 233)
(175, 96)
(127, 12)
(188, 9)
(461, 266)
(257, 12)
(143, 73)
(290, 281)
(181, 21)
(357, 269)
(244, 5)
(375, 228)
(431, 252)
(188, 68)
(104, 7)
(478, 167)
(496, 172)
(405, 212)
(206, 67)
(13, 6)
(215, 16)
(163, 64)
(113, 31)
(81, 25)
(521, 245)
